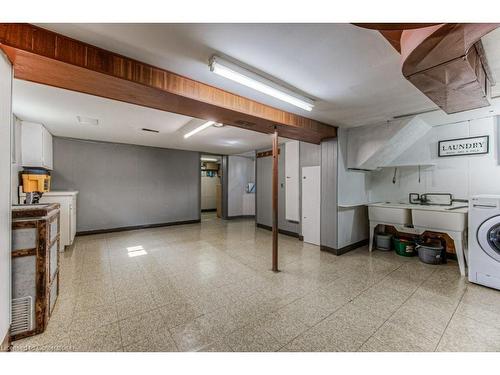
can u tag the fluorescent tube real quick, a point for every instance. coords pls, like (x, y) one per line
(245, 77)
(199, 128)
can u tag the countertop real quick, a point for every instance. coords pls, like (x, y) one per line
(463, 210)
(54, 193)
(27, 211)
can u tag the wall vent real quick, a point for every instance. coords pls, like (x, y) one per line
(21, 315)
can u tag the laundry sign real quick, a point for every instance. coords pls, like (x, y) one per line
(464, 146)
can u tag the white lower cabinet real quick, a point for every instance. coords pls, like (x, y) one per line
(67, 200)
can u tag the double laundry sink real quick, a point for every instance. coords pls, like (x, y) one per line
(447, 218)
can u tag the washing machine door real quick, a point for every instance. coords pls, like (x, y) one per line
(488, 236)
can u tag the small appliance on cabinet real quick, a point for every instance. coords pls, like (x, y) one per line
(35, 182)
(35, 267)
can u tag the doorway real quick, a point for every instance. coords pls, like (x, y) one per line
(211, 188)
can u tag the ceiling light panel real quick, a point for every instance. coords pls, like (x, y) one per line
(87, 120)
(255, 81)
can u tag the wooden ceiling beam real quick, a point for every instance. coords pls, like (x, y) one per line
(42, 56)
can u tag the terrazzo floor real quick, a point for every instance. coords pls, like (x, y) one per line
(208, 287)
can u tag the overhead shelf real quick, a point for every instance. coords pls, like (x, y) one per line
(423, 165)
(353, 205)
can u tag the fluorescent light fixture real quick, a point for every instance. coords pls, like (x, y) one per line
(209, 159)
(87, 120)
(199, 129)
(245, 77)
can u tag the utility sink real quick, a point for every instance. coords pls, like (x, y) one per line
(443, 219)
(436, 218)
(390, 213)
(451, 220)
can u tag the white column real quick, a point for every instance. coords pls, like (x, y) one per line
(5, 193)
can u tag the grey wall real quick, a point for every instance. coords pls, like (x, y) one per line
(241, 170)
(329, 193)
(125, 185)
(310, 156)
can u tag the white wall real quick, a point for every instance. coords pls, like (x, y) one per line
(5, 193)
(16, 162)
(241, 170)
(352, 191)
(462, 176)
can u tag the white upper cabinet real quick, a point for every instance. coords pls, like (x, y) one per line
(36, 146)
(292, 212)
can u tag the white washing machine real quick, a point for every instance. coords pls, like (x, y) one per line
(484, 240)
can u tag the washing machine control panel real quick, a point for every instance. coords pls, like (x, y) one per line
(485, 202)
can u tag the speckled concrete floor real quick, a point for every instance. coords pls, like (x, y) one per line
(208, 287)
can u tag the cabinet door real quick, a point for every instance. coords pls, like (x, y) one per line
(31, 144)
(292, 181)
(47, 148)
(36, 146)
(72, 216)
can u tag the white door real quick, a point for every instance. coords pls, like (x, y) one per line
(292, 181)
(311, 202)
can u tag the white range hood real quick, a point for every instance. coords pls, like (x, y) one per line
(377, 146)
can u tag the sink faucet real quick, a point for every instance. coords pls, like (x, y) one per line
(423, 199)
(415, 198)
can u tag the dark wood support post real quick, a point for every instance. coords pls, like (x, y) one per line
(275, 200)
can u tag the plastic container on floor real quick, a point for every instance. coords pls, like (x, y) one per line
(383, 241)
(431, 252)
(404, 247)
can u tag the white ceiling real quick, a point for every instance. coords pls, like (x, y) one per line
(491, 44)
(121, 122)
(353, 73)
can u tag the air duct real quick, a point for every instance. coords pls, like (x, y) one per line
(446, 63)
